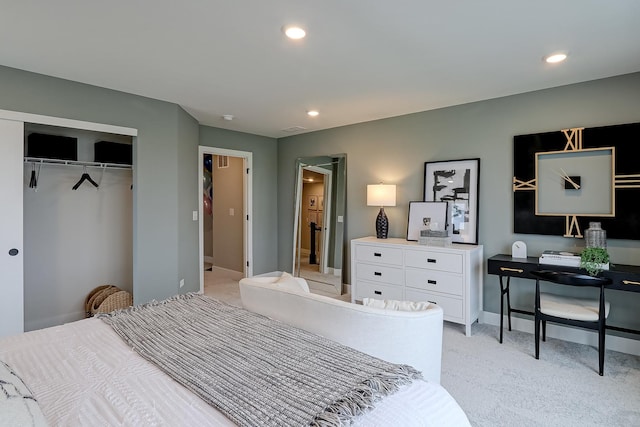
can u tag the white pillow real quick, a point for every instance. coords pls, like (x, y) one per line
(287, 281)
(390, 304)
(18, 407)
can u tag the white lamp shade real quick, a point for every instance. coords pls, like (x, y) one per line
(381, 195)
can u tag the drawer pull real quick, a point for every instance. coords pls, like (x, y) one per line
(377, 292)
(432, 282)
(431, 260)
(377, 273)
(378, 254)
(515, 270)
(630, 282)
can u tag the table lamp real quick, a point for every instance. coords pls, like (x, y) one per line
(381, 195)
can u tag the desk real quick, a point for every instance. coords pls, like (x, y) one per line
(623, 277)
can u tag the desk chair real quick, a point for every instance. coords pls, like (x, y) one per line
(584, 313)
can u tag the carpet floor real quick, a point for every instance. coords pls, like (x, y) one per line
(504, 385)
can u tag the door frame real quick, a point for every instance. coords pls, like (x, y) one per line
(247, 198)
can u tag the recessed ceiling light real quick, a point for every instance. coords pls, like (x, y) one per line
(554, 58)
(312, 113)
(294, 32)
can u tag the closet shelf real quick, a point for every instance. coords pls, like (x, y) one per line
(38, 160)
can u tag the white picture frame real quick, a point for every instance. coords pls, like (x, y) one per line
(423, 215)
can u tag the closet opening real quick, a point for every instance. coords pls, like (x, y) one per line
(78, 220)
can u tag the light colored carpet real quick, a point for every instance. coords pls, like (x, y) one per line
(223, 285)
(504, 385)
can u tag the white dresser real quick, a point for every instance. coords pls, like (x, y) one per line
(398, 269)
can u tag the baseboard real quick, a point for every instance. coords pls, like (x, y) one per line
(208, 259)
(580, 336)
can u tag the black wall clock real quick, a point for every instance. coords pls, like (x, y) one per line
(563, 180)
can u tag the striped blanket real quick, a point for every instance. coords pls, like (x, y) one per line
(255, 370)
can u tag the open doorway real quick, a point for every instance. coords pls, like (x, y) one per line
(224, 196)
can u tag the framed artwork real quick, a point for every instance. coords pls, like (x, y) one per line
(426, 216)
(320, 203)
(312, 202)
(458, 183)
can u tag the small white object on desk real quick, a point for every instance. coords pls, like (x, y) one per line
(519, 249)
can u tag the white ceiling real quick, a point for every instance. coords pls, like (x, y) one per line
(361, 60)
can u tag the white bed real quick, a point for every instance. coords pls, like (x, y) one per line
(83, 374)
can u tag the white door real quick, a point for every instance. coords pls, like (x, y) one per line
(11, 257)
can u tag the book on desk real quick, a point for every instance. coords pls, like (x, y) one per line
(564, 258)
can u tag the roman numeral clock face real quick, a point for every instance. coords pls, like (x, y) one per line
(563, 180)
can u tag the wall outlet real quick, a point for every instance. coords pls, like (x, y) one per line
(181, 282)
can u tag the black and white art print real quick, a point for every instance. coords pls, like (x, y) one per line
(456, 182)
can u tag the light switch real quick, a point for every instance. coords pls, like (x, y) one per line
(195, 215)
(340, 218)
(232, 212)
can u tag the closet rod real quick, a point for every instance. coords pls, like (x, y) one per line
(38, 160)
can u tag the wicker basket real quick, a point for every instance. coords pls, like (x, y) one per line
(114, 301)
(94, 294)
(105, 299)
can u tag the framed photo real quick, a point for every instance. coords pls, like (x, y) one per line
(320, 203)
(312, 202)
(426, 216)
(456, 182)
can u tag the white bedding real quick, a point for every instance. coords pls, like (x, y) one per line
(83, 374)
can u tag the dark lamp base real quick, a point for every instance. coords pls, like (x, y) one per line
(382, 225)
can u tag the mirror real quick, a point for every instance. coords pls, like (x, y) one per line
(318, 230)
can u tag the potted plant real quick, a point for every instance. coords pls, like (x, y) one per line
(594, 260)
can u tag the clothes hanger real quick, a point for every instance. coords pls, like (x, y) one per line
(33, 183)
(35, 176)
(85, 177)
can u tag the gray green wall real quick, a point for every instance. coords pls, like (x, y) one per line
(394, 150)
(165, 178)
(162, 180)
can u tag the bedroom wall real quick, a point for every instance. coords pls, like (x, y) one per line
(394, 151)
(164, 236)
(187, 156)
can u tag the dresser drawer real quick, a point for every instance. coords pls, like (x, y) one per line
(380, 273)
(433, 260)
(452, 307)
(377, 254)
(378, 291)
(429, 280)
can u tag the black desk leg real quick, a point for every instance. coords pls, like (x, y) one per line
(504, 290)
